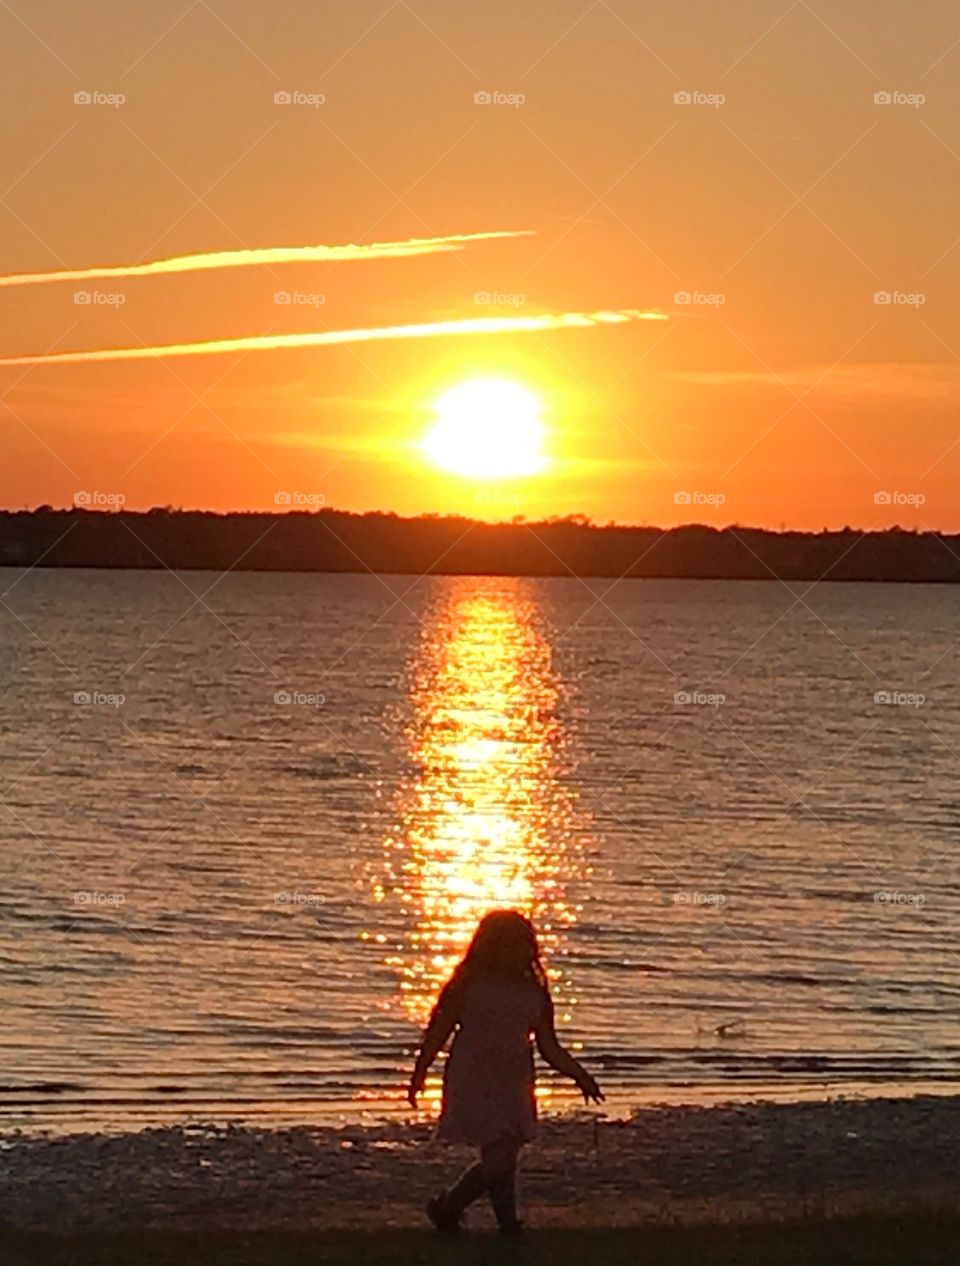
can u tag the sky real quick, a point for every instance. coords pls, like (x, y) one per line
(714, 243)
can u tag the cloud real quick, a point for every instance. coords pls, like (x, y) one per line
(326, 338)
(873, 380)
(266, 255)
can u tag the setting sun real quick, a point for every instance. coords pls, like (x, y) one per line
(487, 428)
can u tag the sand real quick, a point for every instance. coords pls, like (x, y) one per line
(662, 1166)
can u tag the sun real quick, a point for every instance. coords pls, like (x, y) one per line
(487, 428)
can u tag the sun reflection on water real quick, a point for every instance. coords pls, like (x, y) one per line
(487, 818)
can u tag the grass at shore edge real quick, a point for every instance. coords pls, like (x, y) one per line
(890, 1241)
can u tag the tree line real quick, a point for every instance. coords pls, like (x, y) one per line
(330, 540)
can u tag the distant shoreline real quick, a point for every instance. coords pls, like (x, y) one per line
(475, 575)
(338, 542)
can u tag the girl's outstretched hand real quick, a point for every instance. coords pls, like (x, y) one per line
(590, 1089)
(414, 1088)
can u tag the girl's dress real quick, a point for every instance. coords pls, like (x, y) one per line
(488, 1082)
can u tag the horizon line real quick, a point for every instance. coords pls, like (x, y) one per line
(575, 517)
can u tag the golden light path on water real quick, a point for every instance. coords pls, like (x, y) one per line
(488, 819)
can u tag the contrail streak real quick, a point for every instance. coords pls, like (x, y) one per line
(250, 257)
(325, 338)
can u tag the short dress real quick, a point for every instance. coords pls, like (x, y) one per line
(488, 1082)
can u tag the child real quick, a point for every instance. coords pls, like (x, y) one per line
(496, 998)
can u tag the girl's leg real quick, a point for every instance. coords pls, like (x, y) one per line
(471, 1184)
(500, 1164)
(495, 1173)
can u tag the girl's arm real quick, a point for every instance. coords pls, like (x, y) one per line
(441, 1025)
(561, 1059)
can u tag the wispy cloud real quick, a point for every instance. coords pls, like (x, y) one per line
(881, 379)
(326, 338)
(269, 255)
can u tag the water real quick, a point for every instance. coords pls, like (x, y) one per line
(221, 906)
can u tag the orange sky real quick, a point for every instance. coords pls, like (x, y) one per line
(795, 399)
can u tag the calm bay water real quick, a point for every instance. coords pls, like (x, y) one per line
(233, 892)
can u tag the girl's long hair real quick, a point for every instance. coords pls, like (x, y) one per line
(504, 947)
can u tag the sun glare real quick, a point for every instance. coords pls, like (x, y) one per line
(487, 429)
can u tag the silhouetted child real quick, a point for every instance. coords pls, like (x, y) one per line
(496, 999)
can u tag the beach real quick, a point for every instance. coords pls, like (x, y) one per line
(256, 1195)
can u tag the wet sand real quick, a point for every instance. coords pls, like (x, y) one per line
(747, 1164)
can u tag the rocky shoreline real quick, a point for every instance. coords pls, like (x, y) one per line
(668, 1165)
